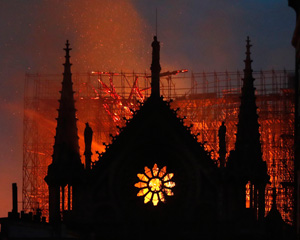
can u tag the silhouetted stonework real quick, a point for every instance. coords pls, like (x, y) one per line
(205, 202)
(245, 163)
(65, 171)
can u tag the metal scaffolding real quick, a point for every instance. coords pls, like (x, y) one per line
(106, 99)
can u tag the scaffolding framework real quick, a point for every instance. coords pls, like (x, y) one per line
(106, 99)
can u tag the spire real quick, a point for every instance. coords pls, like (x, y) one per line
(66, 167)
(248, 62)
(66, 146)
(155, 69)
(67, 64)
(248, 136)
(246, 161)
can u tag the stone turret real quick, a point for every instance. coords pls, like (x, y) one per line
(66, 166)
(246, 161)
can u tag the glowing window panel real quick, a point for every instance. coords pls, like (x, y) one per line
(155, 199)
(155, 185)
(169, 184)
(162, 172)
(155, 170)
(168, 177)
(141, 185)
(142, 192)
(148, 172)
(142, 177)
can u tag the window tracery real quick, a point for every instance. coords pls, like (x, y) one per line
(155, 184)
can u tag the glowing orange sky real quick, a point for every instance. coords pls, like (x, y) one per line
(116, 35)
(104, 36)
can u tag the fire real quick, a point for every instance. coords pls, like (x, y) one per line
(205, 107)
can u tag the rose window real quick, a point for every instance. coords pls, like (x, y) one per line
(155, 184)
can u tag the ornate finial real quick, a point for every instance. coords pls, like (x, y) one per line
(248, 61)
(67, 49)
(67, 64)
(248, 53)
(248, 40)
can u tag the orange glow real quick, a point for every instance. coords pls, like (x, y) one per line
(148, 198)
(155, 184)
(168, 192)
(155, 170)
(142, 192)
(106, 43)
(205, 108)
(168, 177)
(141, 185)
(162, 172)
(248, 192)
(142, 177)
(148, 172)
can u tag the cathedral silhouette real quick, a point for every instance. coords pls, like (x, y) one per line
(167, 186)
(155, 180)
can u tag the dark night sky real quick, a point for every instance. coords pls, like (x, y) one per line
(116, 35)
